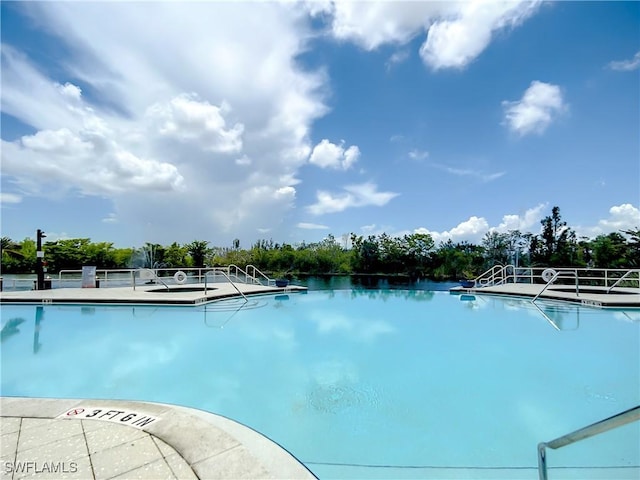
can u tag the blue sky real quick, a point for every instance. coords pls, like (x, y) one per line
(160, 122)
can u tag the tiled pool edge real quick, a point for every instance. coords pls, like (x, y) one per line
(212, 445)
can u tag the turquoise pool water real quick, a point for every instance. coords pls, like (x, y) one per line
(357, 383)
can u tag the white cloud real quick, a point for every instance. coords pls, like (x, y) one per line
(416, 154)
(621, 217)
(170, 126)
(312, 226)
(524, 223)
(471, 230)
(329, 155)
(456, 32)
(396, 58)
(626, 65)
(360, 195)
(469, 172)
(111, 218)
(453, 42)
(189, 119)
(10, 198)
(539, 106)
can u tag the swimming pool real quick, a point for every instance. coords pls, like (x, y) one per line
(359, 383)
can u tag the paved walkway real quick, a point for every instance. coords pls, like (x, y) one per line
(110, 439)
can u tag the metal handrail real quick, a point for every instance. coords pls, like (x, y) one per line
(559, 274)
(499, 274)
(153, 272)
(243, 272)
(256, 272)
(216, 270)
(496, 272)
(615, 421)
(622, 278)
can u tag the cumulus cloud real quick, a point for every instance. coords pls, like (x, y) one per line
(621, 217)
(540, 104)
(456, 32)
(161, 137)
(525, 222)
(360, 195)
(456, 41)
(188, 119)
(626, 65)
(329, 155)
(474, 228)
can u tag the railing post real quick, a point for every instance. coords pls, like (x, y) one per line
(542, 461)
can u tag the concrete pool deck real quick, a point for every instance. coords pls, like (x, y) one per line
(157, 294)
(589, 296)
(101, 439)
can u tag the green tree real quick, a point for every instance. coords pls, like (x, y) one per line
(175, 256)
(557, 245)
(609, 251)
(11, 255)
(198, 249)
(496, 248)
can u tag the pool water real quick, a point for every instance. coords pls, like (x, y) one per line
(357, 383)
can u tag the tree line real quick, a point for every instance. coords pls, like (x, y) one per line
(415, 255)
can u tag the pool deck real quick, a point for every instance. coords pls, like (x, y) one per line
(620, 297)
(156, 294)
(99, 440)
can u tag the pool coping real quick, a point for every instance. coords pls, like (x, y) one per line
(144, 294)
(210, 445)
(629, 299)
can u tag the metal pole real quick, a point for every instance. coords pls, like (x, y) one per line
(39, 256)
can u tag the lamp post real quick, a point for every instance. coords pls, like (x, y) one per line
(39, 256)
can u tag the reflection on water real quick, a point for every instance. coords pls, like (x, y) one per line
(36, 330)
(370, 282)
(400, 377)
(11, 328)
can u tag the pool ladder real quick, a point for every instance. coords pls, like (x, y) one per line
(615, 421)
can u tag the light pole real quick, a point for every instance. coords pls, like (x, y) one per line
(39, 256)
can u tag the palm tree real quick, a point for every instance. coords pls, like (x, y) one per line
(198, 250)
(10, 247)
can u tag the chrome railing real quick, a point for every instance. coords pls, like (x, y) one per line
(257, 275)
(607, 278)
(221, 271)
(556, 276)
(630, 272)
(615, 421)
(126, 276)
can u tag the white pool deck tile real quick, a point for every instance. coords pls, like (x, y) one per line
(182, 443)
